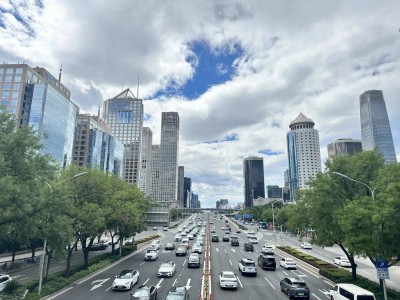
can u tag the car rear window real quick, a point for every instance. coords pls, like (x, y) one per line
(229, 276)
(299, 284)
(249, 263)
(365, 297)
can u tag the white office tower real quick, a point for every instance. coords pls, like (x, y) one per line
(169, 150)
(155, 161)
(145, 171)
(124, 114)
(303, 153)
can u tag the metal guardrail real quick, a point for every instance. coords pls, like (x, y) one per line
(205, 293)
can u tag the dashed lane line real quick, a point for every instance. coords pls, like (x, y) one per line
(144, 283)
(230, 262)
(315, 296)
(269, 282)
(142, 263)
(240, 282)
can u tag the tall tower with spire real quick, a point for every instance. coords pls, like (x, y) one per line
(303, 153)
(124, 114)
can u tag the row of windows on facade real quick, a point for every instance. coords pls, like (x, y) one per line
(303, 126)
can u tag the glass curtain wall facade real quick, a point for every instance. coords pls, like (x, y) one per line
(344, 147)
(187, 189)
(253, 174)
(145, 172)
(124, 115)
(375, 126)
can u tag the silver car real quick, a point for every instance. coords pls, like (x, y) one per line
(167, 269)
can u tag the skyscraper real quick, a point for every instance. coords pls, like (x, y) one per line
(375, 126)
(124, 114)
(181, 179)
(39, 100)
(155, 162)
(145, 171)
(187, 190)
(169, 150)
(344, 147)
(253, 174)
(95, 146)
(274, 191)
(303, 153)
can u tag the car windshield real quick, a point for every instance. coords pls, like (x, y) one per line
(141, 293)
(175, 296)
(124, 275)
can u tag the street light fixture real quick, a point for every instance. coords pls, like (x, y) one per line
(41, 267)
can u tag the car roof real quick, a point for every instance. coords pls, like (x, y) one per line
(354, 288)
(248, 260)
(295, 279)
(227, 273)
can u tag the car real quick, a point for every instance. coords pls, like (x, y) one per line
(178, 293)
(234, 241)
(268, 249)
(253, 240)
(4, 280)
(213, 230)
(247, 266)
(194, 260)
(98, 247)
(223, 228)
(211, 222)
(238, 230)
(129, 241)
(200, 241)
(248, 247)
(225, 238)
(215, 238)
(165, 228)
(342, 261)
(151, 254)
(155, 228)
(185, 244)
(155, 244)
(288, 263)
(145, 292)
(348, 290)
(197, 248)
(125, 280)
(181, 251)
(306, 245)
(183, 233)
(190, 236)
(227, 279)
(169, 246)
(251, 233)
(295, 287)
(166, 269)
(266, 262)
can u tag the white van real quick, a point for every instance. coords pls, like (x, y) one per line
(345, 291)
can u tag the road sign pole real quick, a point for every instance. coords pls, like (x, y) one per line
(384, 289)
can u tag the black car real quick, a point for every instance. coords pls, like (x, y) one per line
(295, 288)
(169, 246)
(145, 292)
(181, 251)
(234, 241)
(178, 293)
(267, 262)
(225, 238)
(98, 247)
(248, 247)
(215, 238)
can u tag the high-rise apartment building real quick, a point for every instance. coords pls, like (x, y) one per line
(303, 153)
(253, 174)
(375, 126)
(344, 147)
(169, 150)
(217, 204)
(181, 179)
(124, 114)
(145, 171)
(95, 146)
(187, 190)
(39, 100)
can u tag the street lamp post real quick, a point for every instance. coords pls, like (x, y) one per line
(41, 267)
(372, 190)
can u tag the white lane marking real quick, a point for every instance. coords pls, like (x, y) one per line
(144, 283)
(142, 263)
(184, 262)
(231, 262)
(159, 283)
(239, 282)
(54, 268)
(284, 272)
(225, 251)
(233, 250)
(174, 281)
(58, 294)
(315, 296)
(269, 282)
(109, 288)
(241, 251)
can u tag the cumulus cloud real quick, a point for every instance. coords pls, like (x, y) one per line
(315, 58)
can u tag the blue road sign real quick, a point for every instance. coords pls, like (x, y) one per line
(248, 216)
(382, 268)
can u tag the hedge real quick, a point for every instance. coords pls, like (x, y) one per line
(315, 262)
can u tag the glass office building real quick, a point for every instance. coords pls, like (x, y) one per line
(253, 174)
(39, 100)
(375, 126)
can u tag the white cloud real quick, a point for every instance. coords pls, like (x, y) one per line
(315, 58)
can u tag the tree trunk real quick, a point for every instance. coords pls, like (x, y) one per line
(33, 249)
(350, 257)
(69, 256)
(13, 256)
(49, 257)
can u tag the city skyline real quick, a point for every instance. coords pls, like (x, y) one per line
(237, 74)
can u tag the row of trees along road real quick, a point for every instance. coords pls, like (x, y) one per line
(344, 212)
(34, 207)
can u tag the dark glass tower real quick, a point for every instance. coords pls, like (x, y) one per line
(375, 126)
(253, 173)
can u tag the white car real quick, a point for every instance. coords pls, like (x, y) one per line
(342, 261)
(251, 234)
(190, 236)
(4, 280)
(155, 245)
(268, 249)
(167, 269)
(253, 240)
(306, 246)
(125, 280)
(228, 279)
(197, 249)
(288, 263)
(151, 254)
(247, 266)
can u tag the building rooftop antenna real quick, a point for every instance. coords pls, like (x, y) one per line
(137, 92)
(59, 75)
